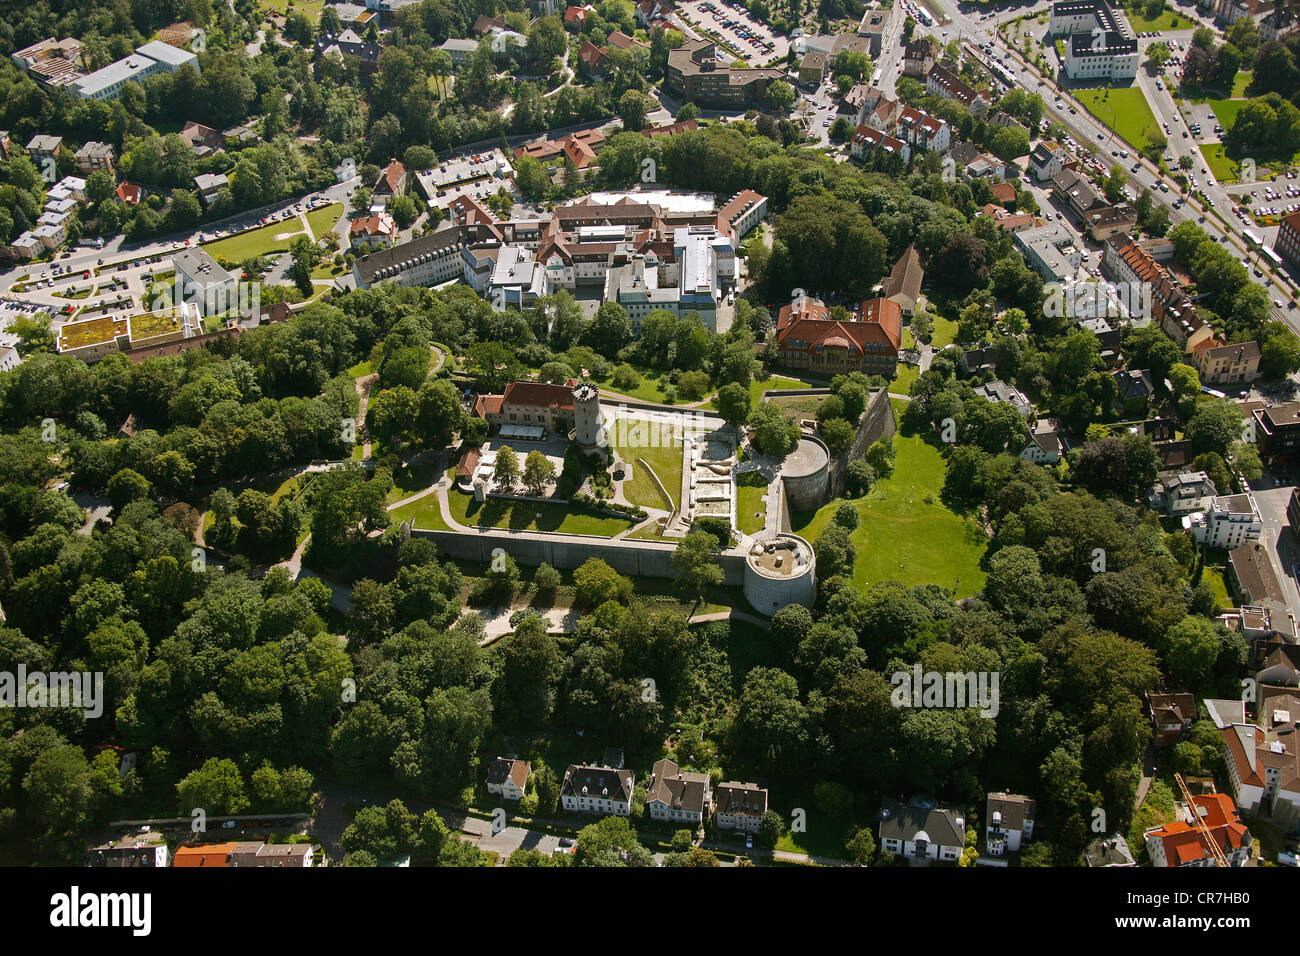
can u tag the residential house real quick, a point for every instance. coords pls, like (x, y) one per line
(1233, 364)
(1261, 757)
(93, 156)
(945, 83)
(1110, 850)
(392, 182)
(1276, 431)
(599, 790)
(1181, 843)
(919, 56)
(1181, 494)
(458, 49)
(1045, 445)
(1048, 160)
(812, 69)
(1135, 389)
(923, 833)
(130, 193)
(740, 806)
(203, 140)
(143, 850)
(978, 361)
(999, 392)
(1287, 243)
(903, 286)
(296, 856)
(1008, 822)
(508, 777)
(1172, 716)
(203, 855)
(210, 186)
(866, 139)
(201, 281)
(677, 796)
(373, 232)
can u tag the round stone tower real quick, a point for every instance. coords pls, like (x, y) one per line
(588, 429)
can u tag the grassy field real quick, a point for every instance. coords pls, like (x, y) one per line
(1225, 161)
(750, 508)
(1124, 110)
(255, 242)
(1167, 20)
(324, 219)
(665, 458)
(907, 534)
(412, 480)
(530, 516)
(903, 379)
(760, 385)
(945, 332)
(311, 9)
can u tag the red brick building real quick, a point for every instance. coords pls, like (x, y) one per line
(809, 338)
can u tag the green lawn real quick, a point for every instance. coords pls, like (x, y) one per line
(324, 219)
(945, 332)
(1167, 20)
(412, 480)
(665, 458)
(362, 369)
(903, 379)
(749, 503)
(760, 385)
(1225, 160)
(1125, 110)
(530, 516)
(649, 389)
(255, 242)
(902, 536)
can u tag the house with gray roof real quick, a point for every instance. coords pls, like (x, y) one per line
(922, 831)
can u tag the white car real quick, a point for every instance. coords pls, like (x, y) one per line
(1287, 858)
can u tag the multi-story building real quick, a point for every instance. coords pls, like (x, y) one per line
(1000, 393)
(866, 139)
(1099, 43)
(1051, 250)
(427, 261)
(1277, 431)
(809, 338)
(740, 806)
(1251, 575)
(148, 60)
(1184, 493)
(1180, 843)
(1229, 522)
(1234, 364)
(1048, 160)
(201, 281)
(677, 796)
(209, 186)
(530, 403)
(903, 284)
(1287, 243)
(392, 182)
(93, 156)
(922, 833)
(600, 790)
(919, 56)
(945, 83)
(697, 76)
(144, 850)
(1008, 822)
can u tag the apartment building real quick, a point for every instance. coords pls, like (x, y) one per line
(697, 76)
(597, 789)
(740, 806)
(1229, 522)
(1009, 822)
(809, 338)
(677, 796)
(1181, 843)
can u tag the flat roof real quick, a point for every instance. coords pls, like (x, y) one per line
(85, 332)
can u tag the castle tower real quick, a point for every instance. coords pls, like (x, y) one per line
(588, 429)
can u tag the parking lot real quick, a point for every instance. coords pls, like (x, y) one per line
(731, 24)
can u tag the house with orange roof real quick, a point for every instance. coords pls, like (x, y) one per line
(593, 58)
(130, 193)
(1181, 843)
(530, 403)
(392, 182)
(809, 338)
(377, 231)
(210, 855)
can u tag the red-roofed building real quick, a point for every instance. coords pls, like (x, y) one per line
(1182, 844)
(1287, 244)
(593, 58)
(392, 182)
(578, 14)
(580, 147)
(378, 231)
(530, 403)
(130, 193)
(742, 212)
(809, 338)
(681, 126)
(866, 139)
(208, 855)
(1003, 192)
